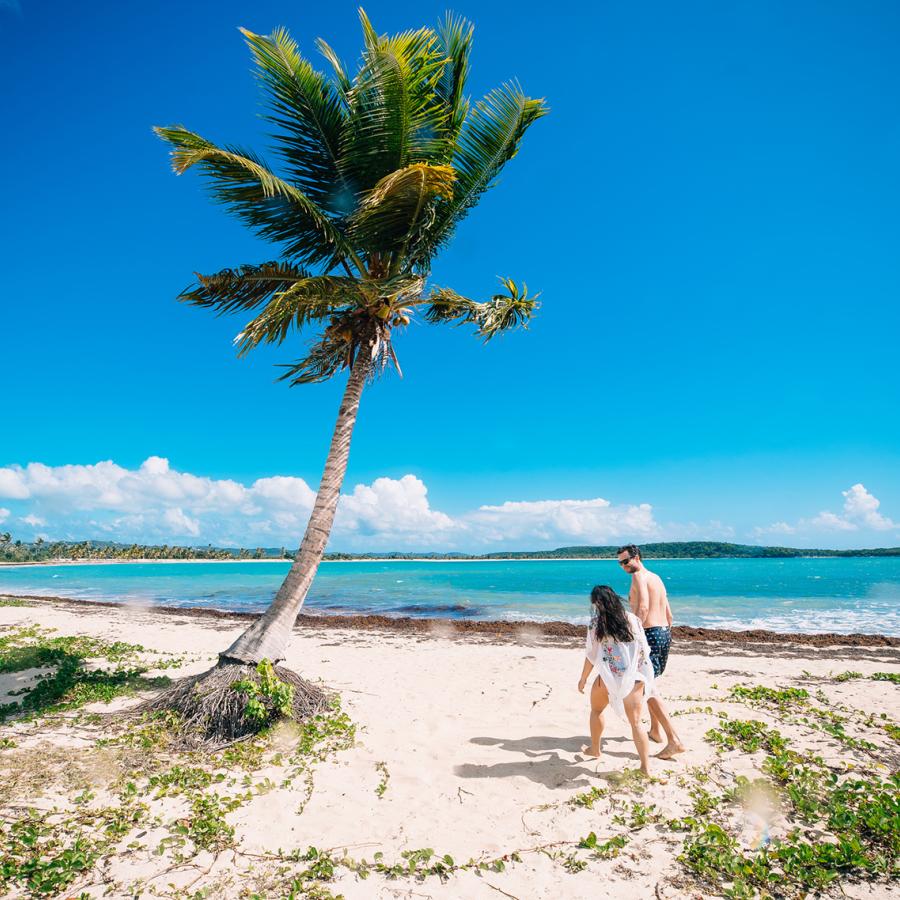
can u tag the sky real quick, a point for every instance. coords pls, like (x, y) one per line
(710, 212)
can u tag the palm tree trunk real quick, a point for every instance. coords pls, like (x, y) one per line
(268, 636)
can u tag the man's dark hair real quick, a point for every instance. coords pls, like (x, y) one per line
(631, 549)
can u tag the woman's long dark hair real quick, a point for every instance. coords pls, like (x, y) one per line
(609, 614)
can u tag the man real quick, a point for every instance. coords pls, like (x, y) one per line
(650, 603)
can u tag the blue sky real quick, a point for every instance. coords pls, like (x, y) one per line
(710, 211)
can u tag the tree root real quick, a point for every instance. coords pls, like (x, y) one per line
(212, 713)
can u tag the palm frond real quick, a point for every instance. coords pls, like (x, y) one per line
(340, 71)
(455, 37)
(307, 300)
(490, 138)
(243, 288)
(325, 359)
(249, 189)
(309, 112)
(370, 36)
(396, 118)
(502, 312)
(392, 213)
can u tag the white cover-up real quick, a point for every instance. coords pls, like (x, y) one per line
(621, 665)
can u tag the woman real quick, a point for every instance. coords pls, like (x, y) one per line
(616, 645)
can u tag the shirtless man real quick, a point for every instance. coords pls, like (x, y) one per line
(649, 602)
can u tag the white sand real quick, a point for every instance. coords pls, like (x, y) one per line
(481, 742)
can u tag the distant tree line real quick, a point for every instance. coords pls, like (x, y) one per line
(686, 549)
(48, 551)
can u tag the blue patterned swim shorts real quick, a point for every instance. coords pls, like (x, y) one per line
(659, 638)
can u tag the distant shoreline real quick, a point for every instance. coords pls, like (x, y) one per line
(424, 559)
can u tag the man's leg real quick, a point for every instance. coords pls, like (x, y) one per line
(658, 657)
(673, 742)
(656, 728)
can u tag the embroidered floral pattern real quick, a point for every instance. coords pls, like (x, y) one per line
(612, 656)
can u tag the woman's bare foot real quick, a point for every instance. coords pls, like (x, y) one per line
(655, 737)
(645, 771)
(670, 751)
(588, 750)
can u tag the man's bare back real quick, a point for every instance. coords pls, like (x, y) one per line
(648, 599)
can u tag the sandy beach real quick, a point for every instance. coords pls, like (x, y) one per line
(466, 743)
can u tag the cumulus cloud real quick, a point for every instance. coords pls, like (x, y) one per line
(584, 521)
(860, 513)
(175, 518)
(12, 485)
(392, 509)
(861, 507)
(156, 503)
(4, 514)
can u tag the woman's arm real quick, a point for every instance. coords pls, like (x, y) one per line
(585, 672)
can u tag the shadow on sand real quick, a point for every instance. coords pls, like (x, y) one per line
(543, 763)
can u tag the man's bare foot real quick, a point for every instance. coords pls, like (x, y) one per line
(670, 751)
(588, 750)
(656, 738)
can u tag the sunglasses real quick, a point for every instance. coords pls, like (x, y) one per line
(624, 562)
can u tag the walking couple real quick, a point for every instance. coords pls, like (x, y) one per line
(629, 649)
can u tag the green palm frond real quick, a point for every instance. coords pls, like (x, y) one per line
(307, 300)
(489, 138)
(243, 288)
(325, 359)
(502, 312)
(455, 36)
(393, 212)
(249, 189)
(340, 71)
(396, 118)
(309, 112)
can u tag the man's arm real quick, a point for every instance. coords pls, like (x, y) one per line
(668, 613)
(643, 599)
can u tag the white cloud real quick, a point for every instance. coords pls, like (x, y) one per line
(585, 521)
(156, 503)
(391, 510)
(4, 514)
(862, 507)
(828, 521)
(175, 518)
(12, 484)
(860, 513)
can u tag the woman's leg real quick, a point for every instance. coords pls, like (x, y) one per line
(599, 702)
(634, 703)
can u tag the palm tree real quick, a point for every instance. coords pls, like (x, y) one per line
(380, 168)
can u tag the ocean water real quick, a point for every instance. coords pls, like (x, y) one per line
(790, 595)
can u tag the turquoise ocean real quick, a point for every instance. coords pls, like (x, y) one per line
(842, 595)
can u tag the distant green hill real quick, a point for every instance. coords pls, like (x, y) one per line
(682, 549)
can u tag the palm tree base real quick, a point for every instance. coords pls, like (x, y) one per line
(211, 712)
